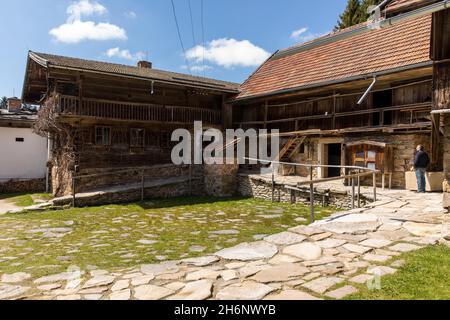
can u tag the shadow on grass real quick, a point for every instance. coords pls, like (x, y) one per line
(186, 201)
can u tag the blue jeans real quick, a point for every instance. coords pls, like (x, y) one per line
(421, 181)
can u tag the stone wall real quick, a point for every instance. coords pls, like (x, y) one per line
(404, 146)
(221, 180)
(258, 188)
(446, 143)
(23, 186)
(109, 177)
(169, 190)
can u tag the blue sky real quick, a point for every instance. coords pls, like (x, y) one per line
(239, 34)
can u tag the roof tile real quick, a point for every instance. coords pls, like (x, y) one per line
(366, 53)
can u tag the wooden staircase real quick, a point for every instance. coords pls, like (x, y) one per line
(291, 148)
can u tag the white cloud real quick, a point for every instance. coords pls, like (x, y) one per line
(75, 30)
(197, 68)
(304, 35)
(298, 33)
(130, 14)
(78, 31)
(84, 8)
(228, 53)
(125, 54)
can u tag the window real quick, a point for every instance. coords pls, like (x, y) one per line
(367, 156)
(103, 136)
(137, 138)
(20, 140)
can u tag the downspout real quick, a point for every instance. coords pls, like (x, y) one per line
(360, 101)
(380, 6)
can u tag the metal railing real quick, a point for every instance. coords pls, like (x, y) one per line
(355, 178)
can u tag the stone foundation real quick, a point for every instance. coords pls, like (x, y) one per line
(23, 186)
(169, 190)
(99, 178)
(446, 142)
(258, 188)
(221, 180)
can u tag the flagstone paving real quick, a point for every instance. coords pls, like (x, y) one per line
(326, 260)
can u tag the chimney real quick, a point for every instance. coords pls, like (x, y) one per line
(14, 105)
(144, 64)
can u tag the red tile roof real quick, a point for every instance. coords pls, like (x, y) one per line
(367, 53)
(397, 5)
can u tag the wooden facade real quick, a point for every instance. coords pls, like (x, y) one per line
(118, 120)
(400, 104)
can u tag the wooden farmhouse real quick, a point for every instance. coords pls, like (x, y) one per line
(364, 96)
(107, 117)
(361, 96)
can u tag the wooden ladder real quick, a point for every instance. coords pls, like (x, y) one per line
(291, 148)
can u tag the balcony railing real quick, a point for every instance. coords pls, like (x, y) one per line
(113, 110)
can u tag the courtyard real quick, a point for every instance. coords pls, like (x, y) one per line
(119, 236)
(229, 249)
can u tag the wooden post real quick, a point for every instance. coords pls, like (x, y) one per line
(143, 185)
(374, 186)
(353, 193)
(383, 181)
(390, 180)
(359, 191)
(334, 111)
(190, 179)
(266, 113)
(273, 183)
(311, 194)
(73, 192)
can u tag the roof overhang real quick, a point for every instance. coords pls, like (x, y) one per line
(179, 82)
(368, 76)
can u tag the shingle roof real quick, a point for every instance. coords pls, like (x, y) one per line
(50, 60)
(374, 51)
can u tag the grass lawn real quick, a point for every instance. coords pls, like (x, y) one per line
(121, 236)
(424, 276)
(25, 200)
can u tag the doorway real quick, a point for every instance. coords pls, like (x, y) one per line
(334, 159)
(382, 99)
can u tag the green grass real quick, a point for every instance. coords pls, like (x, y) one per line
(424, 276)
(25, 200)
(108, 236)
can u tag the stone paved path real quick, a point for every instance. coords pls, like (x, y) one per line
(6, 207)
(304, 263)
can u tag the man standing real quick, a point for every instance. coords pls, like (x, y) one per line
(421, 163)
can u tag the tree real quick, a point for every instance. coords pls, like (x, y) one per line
(3, 103)
(365, 4)
(351, 15)
(355, 13)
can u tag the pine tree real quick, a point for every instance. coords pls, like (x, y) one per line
(351, 15)
(3, 103)
(355, 12)
(365, 4)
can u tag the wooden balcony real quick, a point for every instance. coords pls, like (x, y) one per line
(127, 111)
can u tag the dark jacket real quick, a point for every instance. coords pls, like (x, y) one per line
(422, 160)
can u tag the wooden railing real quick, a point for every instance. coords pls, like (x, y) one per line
(114, 110)
(406, 114)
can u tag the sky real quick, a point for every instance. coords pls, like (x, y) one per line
(237, 35)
